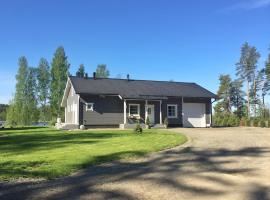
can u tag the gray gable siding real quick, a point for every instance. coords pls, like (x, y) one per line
(173, 121)
(107, 110)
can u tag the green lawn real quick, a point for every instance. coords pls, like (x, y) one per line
(49, 153)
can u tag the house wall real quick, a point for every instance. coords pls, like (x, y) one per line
(108, 110)
(173, 121)
(71, 109)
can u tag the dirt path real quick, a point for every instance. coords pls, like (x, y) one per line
(225, 163)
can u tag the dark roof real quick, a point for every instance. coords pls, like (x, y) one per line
(138, 88)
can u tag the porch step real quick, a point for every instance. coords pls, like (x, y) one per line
(63, 126)
(158, 126)
(132, 126)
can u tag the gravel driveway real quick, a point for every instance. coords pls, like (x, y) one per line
(222, 163)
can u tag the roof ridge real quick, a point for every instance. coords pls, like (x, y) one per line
(122, 79)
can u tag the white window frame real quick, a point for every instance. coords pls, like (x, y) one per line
(92, 106)
(176, 111)
(135, 115)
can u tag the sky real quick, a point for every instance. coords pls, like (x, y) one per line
(191, 40)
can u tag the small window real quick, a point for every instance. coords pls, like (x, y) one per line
(172, 110)
(89, 106)
(134, 110)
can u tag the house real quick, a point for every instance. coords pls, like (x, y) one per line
(107, 102)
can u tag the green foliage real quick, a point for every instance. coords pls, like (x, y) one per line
(246, 69)
(225, 120)
(3, 112)
(230, 95)
(81, 71)
(262, 124)
(148, 122)
(102, 72)
(11, 120)
(256, 122)
(248, 122)
(23, 110)
(43, 88)
(138, 128)
(224, 92)
(59, 74)
(166, 122)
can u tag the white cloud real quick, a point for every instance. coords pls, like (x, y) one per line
(248, 5)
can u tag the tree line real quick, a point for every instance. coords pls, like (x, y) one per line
(244, 97)
(39, 90)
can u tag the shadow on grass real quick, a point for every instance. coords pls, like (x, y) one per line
(166, 169)
(21, 143)
(23, 128)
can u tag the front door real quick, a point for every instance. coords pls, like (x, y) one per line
(151, 113)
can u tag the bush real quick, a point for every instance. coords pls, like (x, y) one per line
(262, 123)
(225, 120)
(148, 122)
(242, 122)
(138, 128)
(256, 122)
(247, 122)
(166, 122)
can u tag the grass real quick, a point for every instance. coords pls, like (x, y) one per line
(49, 153)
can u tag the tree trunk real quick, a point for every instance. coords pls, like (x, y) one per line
(254, 97)
(248, 102)
(263, 106)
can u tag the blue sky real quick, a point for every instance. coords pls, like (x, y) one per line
(190, 40)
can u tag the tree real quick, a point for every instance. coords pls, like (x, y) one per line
(30, 104)
(267, 75)
(3, 112)
(246, 68)
(224, 94)
(11, 119)
(23, 108)
(43, 87)
(19, 98)
(81, 71)
(102, 72)
(237, 98)
(257, 85)
(59, 74)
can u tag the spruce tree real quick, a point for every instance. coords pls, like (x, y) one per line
(59, 74)
(224, 93)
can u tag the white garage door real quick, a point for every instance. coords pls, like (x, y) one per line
(194, 115)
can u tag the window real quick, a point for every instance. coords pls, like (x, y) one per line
(172, 110)
(134, 109)
(89, 106)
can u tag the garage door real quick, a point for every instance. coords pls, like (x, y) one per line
(194, 115)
